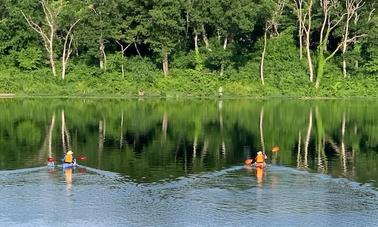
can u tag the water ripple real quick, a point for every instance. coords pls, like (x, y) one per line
(230, 197)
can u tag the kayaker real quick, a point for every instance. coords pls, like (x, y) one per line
(260, 159)
(69, 158)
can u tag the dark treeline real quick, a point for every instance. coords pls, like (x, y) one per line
(279, 44)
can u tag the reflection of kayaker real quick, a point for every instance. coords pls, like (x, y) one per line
(69, 161)
(259, 174)
(68, 177)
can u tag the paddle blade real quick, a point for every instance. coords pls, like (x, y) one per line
(276, 149)
(82, 158)
(248, 161)
(82, 170)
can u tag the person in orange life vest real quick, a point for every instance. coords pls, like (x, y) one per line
(68, 158)
(260, 159)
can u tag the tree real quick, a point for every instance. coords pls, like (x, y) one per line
(232, 19)
(47, 33)
(14, 34)
(165, 29)
(48, 28)
(352, 7)
(197, 17)
(369, 45)
(98, 29)
(331, 19)
(271, 27)
(67, 48)
(130, 28)
(304, 15)
(298, 8)
(306, 26)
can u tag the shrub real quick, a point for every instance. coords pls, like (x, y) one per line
(29, 58)
(141, 70)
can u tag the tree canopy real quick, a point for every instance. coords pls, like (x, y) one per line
(208, 36)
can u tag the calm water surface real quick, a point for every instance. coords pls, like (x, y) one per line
(180, 162)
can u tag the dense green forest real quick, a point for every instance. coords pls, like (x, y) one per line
(189, 47)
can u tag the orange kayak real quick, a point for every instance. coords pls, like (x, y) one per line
(259, 165)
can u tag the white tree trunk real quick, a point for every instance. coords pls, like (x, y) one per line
(225, 42)
(51, 129)
(51, 52)
(308, 137)
(165, 63)
(121, 134)
(102, 56)
(345, 45)
(299, 150)
(300, 30)
(164, 125)
(307, 30)
(261, 130)
(67, 50)
(263, 57)
(205, 39)
(343, 152)
(63, 130)
(196, 42)
(309, 59)
(300, 44)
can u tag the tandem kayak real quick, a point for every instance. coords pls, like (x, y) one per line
(68, 165)
(259, 165)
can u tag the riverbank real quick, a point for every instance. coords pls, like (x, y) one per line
(180, 83)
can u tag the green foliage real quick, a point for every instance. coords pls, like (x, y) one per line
(189, 83)
(184, 60)
(142, 70)
(231, 17)
(28, 133)
(165, 26)
(371, 67)
(115, 62)
(230, 37)
(29, 58)
(198, 61)
(218, 56)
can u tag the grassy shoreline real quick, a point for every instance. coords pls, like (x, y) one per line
(110, 96)
(183, 84)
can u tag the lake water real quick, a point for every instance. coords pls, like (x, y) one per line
(157, 162)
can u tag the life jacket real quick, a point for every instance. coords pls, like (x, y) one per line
(260, 158)
(68, 158)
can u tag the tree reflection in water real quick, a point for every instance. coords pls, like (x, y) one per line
(158, 140)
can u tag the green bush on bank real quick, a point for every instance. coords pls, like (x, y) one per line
(283, 77)
(179, 83)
